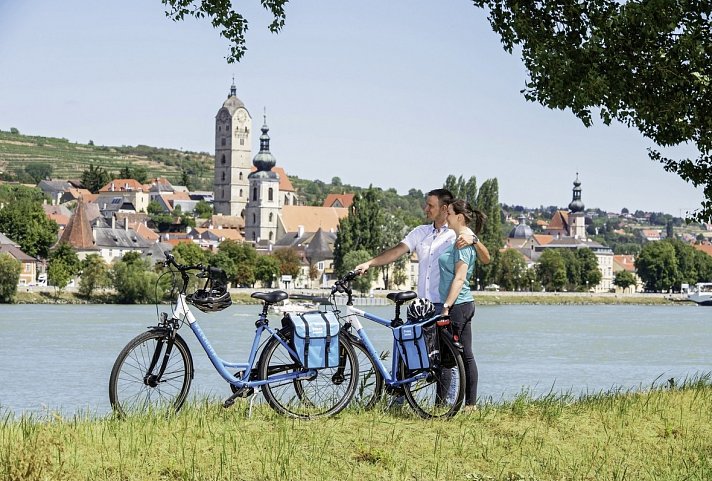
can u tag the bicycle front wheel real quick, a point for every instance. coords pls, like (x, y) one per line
(324, 394)
(442, 391)
(143, 379)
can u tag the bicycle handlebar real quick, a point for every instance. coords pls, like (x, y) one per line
(171, 261)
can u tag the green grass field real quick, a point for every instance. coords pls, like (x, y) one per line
(661, 434)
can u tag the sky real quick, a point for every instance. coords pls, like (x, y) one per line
(396, 94)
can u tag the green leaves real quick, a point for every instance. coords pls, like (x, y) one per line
(646, 64)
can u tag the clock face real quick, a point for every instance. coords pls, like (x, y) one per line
(241, 116)
(223, 116)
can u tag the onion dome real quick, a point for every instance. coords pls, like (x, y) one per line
(576, 204)
(264, 160)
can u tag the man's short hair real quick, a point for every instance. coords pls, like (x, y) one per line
(444, 196)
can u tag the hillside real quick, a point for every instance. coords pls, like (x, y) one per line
(68, 159)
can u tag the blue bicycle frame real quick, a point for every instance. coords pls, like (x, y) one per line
(390, 378)
(182, 312)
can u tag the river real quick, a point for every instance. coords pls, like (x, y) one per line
(57, 358)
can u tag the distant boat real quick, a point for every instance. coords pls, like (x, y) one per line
(701, 294)
(293, 307)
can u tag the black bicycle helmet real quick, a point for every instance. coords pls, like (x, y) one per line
(420, 309)
(213, 297)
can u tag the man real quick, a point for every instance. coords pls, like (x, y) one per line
(428, 241)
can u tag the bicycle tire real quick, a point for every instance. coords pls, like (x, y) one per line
(130, 392)
(369, 387)
(429, 397)
(325, 394)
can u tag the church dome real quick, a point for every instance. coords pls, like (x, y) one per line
(232, 104)
(521, 231)
(576, 204)
(264, 160)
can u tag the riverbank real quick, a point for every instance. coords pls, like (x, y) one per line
(661, 434)
(485, 298)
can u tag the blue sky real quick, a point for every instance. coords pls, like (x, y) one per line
(395, 94)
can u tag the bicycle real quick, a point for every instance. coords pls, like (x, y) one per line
(434, 391)
(155, 369)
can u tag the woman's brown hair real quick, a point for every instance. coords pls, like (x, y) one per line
(472, 216)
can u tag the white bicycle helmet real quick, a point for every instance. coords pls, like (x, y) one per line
(420, 309)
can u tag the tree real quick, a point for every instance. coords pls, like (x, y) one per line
(95, 275)
(590, 273)
(624, 279)
(289, 261)
(39, 171)
(645, 64)
(94, 178)
(133, 280)
(491, 235)
(551, 270)
(65, 252)
(267, 269)
(23, 220)
(9, 277)
(361, 229)
(657, 266)
(58, 275)
(203, 209)
(596, 55)
(509, 270)
(191, 254)
(392, 232)
(135, 172)
(363, 282)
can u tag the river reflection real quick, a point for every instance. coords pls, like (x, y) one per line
(58, 358)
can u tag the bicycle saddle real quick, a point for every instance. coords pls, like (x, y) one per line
(401, 297)
(270, 297)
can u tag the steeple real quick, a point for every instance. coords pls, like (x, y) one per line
(576, 204)
(233, 89)
(264, 160)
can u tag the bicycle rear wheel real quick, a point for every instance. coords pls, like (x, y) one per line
(135, 385)
(441, 392)
(324, 394)
(369, 387)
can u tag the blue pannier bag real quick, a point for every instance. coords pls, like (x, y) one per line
(412, 341)
(316, 339)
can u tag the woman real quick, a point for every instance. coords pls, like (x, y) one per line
(456, 267)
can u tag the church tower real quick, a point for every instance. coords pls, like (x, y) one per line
(577, 218)
(233, 136)
(264, 200)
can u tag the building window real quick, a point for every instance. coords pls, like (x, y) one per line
(28, 267)
(271, 235)
(241, 193)
(270, 216)
(320, 266)
(223, 176)
(240, 175)
(242, 141)
(270, 194)
(254, 219)
(254, 193)
(223, 192)
(222, 160)
(254, 236)
(286, 200)
(223, 141)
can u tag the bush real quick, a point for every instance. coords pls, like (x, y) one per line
(134, 281)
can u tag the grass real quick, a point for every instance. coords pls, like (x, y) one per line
(664, 433)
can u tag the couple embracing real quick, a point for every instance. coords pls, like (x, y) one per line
(447, 250)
